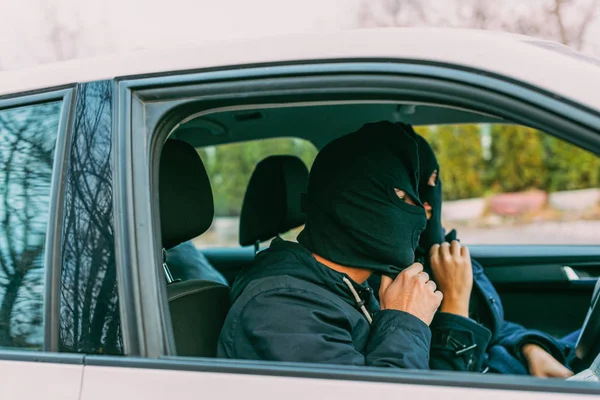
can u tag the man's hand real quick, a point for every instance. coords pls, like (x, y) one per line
(411, 292)
(542, 364)
(452, 271)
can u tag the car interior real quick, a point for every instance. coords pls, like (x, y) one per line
(272, 205)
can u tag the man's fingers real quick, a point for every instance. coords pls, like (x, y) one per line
(464, 251)
(455, 248)
(431, 285)
(423, 276)
(386, 281)
(414, 269)
(434, 251)
(439, 295)
(445, 250)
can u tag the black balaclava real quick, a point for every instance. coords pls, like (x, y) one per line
(354, 217)
(434, 232)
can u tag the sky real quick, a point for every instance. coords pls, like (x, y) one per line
(123, 25)
(111, 26)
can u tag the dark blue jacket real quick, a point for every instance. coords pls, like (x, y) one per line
(503, 354)
(288, 307)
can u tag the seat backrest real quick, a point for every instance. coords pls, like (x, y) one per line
(273, 200)
(198, 308)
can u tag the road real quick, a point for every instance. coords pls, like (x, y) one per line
(567, 232)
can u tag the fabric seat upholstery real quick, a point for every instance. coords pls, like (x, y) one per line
(198, 308)
(273, 200)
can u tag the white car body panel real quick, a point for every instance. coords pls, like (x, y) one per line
(103, 383)
(502, 54)
(25, 380)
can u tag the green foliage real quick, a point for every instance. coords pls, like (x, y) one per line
(570, 167)
(230, 166)
(518, 159)
(515, 158)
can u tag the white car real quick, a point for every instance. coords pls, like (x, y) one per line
(88, 304)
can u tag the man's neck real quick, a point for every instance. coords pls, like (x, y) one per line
(358, 275)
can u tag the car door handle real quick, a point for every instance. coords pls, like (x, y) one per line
(573, 276)
(570, 273)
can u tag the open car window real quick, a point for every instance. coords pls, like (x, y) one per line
(510, 184)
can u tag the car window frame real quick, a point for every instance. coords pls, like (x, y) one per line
(149, 107)
(53, 241)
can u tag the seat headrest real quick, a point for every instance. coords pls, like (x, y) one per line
(185, 195)
(273, 199)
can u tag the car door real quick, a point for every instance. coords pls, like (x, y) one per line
(543, 287)
(148, 108)
(33, 142)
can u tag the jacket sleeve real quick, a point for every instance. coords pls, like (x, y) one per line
(458, 343)
(295, 325)
(514, 336)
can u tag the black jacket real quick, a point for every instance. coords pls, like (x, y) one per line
(503, 351)
(288, 307)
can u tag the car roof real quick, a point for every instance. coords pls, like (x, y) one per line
(547, 65)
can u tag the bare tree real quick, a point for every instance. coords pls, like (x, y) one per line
(27, 137)
(565, 21)
(89, 307)
(394, 13)
(64, 42)
(65, 35)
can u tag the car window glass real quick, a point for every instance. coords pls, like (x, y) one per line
(27, 141)
(90, 320)
(229, 168)
(510, 184)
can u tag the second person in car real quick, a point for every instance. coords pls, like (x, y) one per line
(513, 348)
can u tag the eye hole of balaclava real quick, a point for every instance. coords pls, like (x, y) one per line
(354, 216)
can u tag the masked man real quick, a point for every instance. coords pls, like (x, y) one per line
(310, 302)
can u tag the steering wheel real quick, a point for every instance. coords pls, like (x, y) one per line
(588, 344)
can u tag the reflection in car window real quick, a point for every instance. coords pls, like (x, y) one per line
(89, 308)
(27, 141)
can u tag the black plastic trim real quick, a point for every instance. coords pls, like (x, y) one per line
(127, 273)
(53, 240)
(497, 98)
(348, 373)
(535, 253)
(33, 96)
(276, 68)
(36, 356)
(54, 237)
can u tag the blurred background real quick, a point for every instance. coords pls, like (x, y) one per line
(547, 193)
(42, 31)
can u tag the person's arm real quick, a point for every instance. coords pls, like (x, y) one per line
(458, 343)
(295, 325)
(528, 346)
